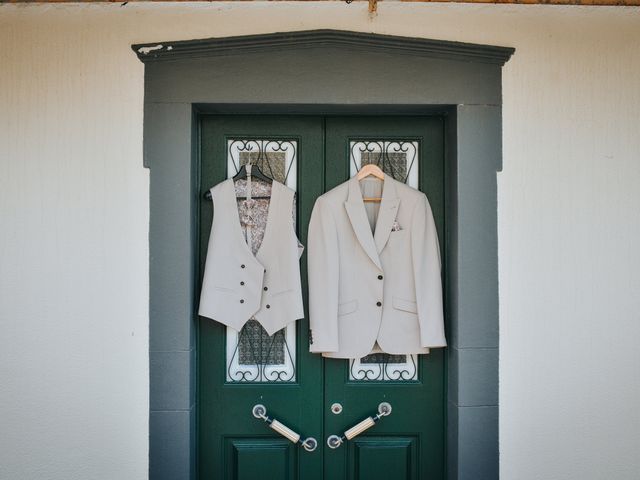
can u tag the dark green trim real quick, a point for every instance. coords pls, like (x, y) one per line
(244, 44)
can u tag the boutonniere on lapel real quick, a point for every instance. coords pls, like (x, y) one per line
(396, 226)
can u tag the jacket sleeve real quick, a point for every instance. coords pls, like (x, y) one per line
(294, 209)
(323, 274)
(427, 266)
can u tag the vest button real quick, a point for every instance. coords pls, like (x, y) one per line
(268, 306)
(242, 266)
(265, 289)
(379, 304)
(242, 300)
(241, 283)
(379, 277)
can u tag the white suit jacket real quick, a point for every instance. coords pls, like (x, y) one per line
(366, 287)
(238, 285)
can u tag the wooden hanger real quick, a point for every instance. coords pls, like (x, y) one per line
(374, 170)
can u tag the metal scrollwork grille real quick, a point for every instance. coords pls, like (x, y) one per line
(398, 158)
(252, 355)
(275, 157)
(381, 367)
(258, 357)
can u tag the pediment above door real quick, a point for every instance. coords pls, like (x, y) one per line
(322, 67)
(327, 39)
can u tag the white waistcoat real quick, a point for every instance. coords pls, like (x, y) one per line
(238, 285)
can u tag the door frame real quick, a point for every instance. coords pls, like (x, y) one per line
(336, 73)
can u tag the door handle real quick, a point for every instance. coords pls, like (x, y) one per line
(334, 441)
(309, 443)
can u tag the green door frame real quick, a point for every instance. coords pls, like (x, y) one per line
(336, 72)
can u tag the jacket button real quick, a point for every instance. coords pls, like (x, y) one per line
(379, 277)
(242, 266)
(242, 300)
(265, 289)
(379, 304)
(268, 306)
(241, 283)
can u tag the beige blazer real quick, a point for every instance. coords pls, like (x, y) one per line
(238, 285)
(374, 271)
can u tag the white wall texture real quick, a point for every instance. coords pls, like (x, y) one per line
(74, 225)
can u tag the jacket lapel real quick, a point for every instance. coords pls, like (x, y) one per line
(358, 217)
(386, 214)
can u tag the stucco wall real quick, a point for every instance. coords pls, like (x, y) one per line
(74, 218)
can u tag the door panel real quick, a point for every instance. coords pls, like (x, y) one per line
(417, 418)
(376, 458)
(230, 438)
(250, 459)
(232, 378)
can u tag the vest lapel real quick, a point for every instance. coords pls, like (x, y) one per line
(235, 219)
(358, 217)
(386, 214)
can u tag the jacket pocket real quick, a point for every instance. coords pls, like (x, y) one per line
(223, 289)
(405, 305)
(347, 307)
(281, 292)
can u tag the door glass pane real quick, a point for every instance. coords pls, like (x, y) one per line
(253, 355)
(398, 158)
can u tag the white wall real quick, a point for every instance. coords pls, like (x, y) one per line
(74, 218)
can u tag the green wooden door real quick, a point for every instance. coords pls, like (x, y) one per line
(237, 370)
